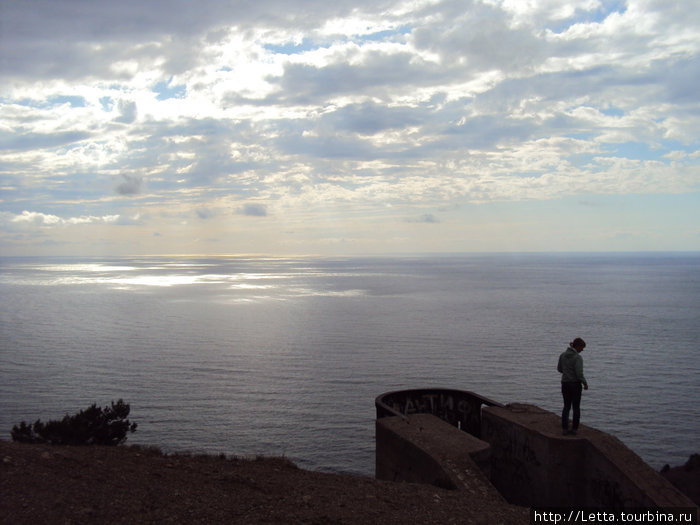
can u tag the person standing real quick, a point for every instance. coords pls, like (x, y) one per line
(572, 379)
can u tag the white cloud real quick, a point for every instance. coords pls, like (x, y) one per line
(33, 218)
(36, 218)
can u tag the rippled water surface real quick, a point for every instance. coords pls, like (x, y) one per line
(285, 356)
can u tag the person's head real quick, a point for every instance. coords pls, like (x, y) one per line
(578, 344)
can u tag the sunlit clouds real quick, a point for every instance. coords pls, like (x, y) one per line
(316, 127)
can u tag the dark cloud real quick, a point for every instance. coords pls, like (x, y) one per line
(474, 36)
(57, 39)
(329, 146)
(487, 131)
(204, 213)
(378, 73)
(623, 236)
(74, 39)
(127, 112)
(253, 210)
(370, 118)
(34, 141)
(198, 152)
(129, 186)
(681, 79)
(426, 218)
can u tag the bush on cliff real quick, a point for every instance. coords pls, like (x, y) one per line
(93, 426)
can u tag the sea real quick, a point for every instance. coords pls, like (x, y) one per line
(284, 356)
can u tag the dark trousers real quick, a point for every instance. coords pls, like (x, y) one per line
(572, 398)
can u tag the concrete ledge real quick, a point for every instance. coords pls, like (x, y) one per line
(421, 448)
(533, 464)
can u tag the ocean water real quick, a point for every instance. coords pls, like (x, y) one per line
(285, 356)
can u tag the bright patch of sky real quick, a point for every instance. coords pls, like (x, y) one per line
(594, 12)
(348, 127)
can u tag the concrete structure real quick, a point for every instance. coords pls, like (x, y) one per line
(514, 453)
(424, 449)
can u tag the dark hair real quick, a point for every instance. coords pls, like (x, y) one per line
(578, 342)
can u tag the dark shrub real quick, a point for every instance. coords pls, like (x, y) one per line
(93, 426)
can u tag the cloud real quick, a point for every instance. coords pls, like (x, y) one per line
(36, 218)
(204, 213)
(363, 111)
(136, 219)
(34, 141)
(623, 236)
(127, 112)
(478, 37)
(115, 42)
(31, 218)
(370, 118)
(253, 210)
(130, 185)
(426, 218)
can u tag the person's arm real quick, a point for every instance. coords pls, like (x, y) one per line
(578, 367)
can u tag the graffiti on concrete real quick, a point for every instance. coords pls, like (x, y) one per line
(459, 408)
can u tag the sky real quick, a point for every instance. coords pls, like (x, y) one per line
(348, 128)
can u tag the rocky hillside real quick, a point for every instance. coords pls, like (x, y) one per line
(60, 484)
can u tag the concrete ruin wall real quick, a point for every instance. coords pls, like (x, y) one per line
(533, 464)
(533, 469)
(521, 458)
(421, 448)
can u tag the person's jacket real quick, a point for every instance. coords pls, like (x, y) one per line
(571, 367)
